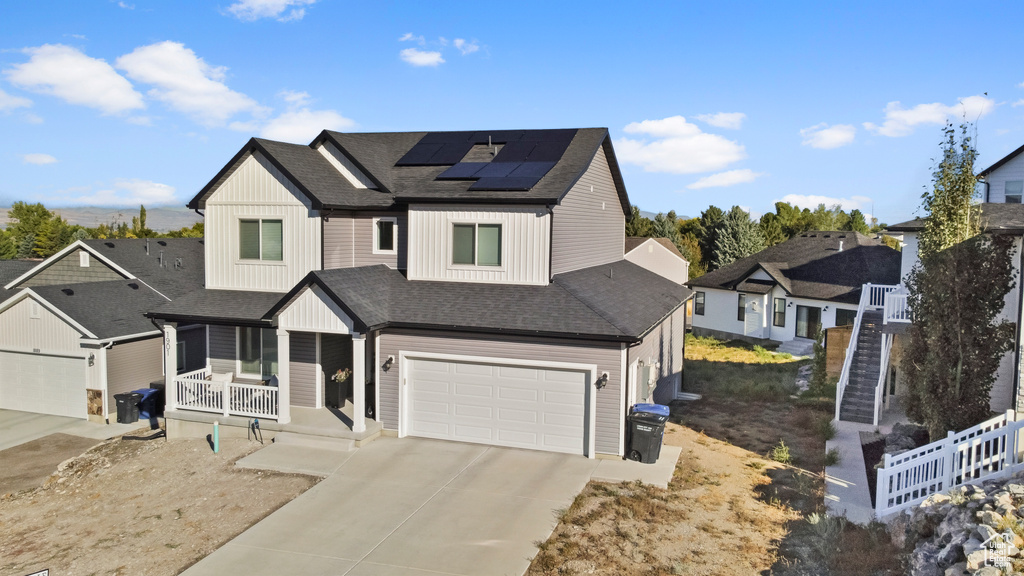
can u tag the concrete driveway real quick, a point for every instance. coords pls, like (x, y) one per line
(413, 507)
(20, 427)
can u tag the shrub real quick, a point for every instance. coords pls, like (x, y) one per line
(832, 457)
(826, 429)
(780, 453)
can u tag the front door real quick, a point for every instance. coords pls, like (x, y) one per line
(808, 321)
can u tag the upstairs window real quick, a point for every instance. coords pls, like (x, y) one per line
(261, 240)
(1014, 189)
(384, 241)
(476, 244)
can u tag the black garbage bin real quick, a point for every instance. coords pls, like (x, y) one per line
(151, 402)
(127, 407)
(645, 431)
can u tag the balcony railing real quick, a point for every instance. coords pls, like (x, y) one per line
(202, 391)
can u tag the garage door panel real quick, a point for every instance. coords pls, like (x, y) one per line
(43, 384)
(506, 405)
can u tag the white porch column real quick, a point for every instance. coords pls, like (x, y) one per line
(170, 365)
(284, 401)
(358, 382)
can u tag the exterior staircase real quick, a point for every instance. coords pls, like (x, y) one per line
(858, 403)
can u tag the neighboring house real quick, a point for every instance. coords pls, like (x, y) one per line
(792, 289)
(72, 327)
(659, 255)
(474, 280)
(1004, 180)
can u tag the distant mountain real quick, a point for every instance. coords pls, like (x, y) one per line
(651, 215)
(157, 219)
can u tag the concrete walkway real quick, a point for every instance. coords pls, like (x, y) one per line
(20, 427)
(414, 507)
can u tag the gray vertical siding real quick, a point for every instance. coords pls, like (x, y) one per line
(587, 228)
(664, 344)
(67, 270)
(348, 241)
(222, 349)
(607, 358)
(302, 370)
(195, 347)
(134, 365)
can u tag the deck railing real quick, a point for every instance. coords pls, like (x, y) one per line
(897, 309)
(880, 385)
(197, 391)
(989, 450)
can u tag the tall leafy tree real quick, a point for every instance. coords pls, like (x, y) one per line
(952, 214)
(689, 247)
(771, 229)
(738, 237)
(857, 222)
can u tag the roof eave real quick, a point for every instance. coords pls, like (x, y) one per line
(326, 135)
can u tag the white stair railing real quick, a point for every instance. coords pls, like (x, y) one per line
(883, 368)
(872, 296)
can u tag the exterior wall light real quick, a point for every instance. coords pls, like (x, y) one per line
(602, 381)
(387, 363)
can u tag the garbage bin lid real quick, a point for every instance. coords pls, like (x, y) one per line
(652, 409)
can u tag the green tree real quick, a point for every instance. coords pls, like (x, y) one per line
(195, 231)
(831, 218)
(139, 228)
(957, 340)
(738, 237)
(638, 225)
(771, 229)
(952, 214)
(857, 222)
(666, 226)
(708, 228)
(689, 247)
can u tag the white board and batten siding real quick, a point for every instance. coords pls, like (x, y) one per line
(407, 343)
(28, 326)
(349, 240)
(257, 190)
(588, 228)
(313, 311)
(525, 243)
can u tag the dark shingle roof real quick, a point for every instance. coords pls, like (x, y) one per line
(811, 266)
(376, 155)
(634, 242)
(218, 307)
(107, 309)
(1000, 162)
(170, 279)
(12, 269)
(995, 218)
(619, 301)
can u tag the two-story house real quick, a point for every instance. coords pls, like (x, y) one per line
(471, 285)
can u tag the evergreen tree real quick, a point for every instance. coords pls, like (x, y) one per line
(771, 229)
(738, 237)
(857, 223)
(638, 225)
(708, 229)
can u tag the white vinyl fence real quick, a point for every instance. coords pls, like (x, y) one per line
(986, 451)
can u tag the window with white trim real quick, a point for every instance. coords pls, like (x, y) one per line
(476, 244)
(257, 352)
(261, 240)
(385, 235)
(1014, 190)
(698, 303)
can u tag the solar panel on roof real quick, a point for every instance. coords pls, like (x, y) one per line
(548, 151)
(497, 136)
(450, 153)
(532, 169)
(506, 183)
(446, 137)
(515, 152)
(419, 155)
(497, 169)
(462, 171)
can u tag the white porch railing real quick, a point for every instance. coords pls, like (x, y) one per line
(986, 451)
(880, 385)
(195, 391)
(873, 297)
(896, 308)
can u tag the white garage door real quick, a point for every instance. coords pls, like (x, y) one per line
(515, 406)
(43, 384)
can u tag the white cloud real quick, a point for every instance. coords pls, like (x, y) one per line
(38, 159)
(466, 47)
(811, 201)
(409, 37)
(825, 137)
(70, 75)
(730, 120)
(187, 83)
(723, 179)
(418, 57)
(9, 102)
(677, 146)
(33, 118)
(124, 192)
(250, 10)
(900, 121)
(294, 98)
(302, 125)
(126, 5)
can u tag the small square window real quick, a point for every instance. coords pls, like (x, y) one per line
(476, 244)
(698, 304)
(384, 235)
(261, 240)
(1014, 189)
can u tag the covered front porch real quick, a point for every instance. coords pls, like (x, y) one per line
(302, 365)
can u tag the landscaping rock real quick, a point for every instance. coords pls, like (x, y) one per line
(924, 561)
(899, 530)
(952, 552)
(956, 522)
(989, 571)
(958, 569)
(1016, 490)
(983, 532)
(989, 517)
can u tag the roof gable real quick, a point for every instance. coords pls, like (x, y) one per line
(59, 256)
(635, 242)
(1000, 162)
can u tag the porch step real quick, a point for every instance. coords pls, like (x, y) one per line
(320, 442)
(797, 347)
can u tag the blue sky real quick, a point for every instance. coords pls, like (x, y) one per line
(116, 103)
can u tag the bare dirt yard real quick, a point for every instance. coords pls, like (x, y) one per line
(748, 492)
(138, 507)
